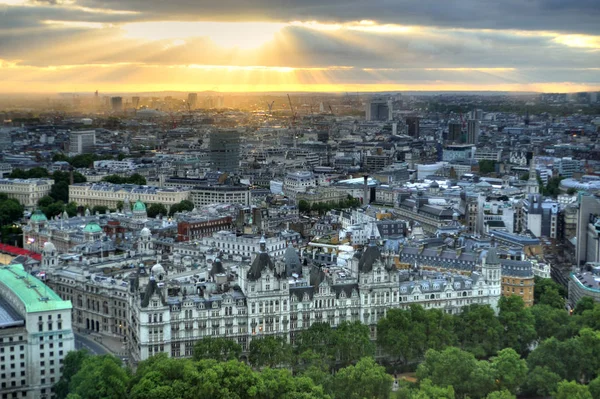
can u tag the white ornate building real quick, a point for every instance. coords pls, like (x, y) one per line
(168, 312)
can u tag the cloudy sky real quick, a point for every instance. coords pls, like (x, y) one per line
(299, 45)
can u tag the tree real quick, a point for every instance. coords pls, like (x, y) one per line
(487, 166)
(220, 349)
(71, 365)
(280, 383)
(468, 376)
(406, 335)
(71, 209)
(303, 206)
(541, 381)
(60, 191)
(547, 292)
(45, 201)
(553, 322)
(518, 324)
(352, 342)
(364, 380)
(478, 330)
(585, 303)
(10, 210)
(138, 179)
(572, 191)
(501, 395)
(427, 390)
(572, 390)
(594, 387)
(270, 352)
(509, 369)
(156, 209)
(183, 206)
(100, 377)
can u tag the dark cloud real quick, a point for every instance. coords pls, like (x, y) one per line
(557, 15)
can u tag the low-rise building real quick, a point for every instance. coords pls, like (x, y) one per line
(27, 191)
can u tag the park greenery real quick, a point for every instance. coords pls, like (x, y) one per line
(135, 178)
(539, 351)
(323, 207)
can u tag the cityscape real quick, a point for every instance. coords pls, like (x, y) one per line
(299, 200)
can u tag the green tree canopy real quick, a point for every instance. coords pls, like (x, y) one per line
(518, 324)
(585, 303)
(100, 377)
(183, 206)
(72, 363)
(478, 330)
(220, 349)
(487, 166)
(364, 380)
(269, 352)
(10, 210)
(156, 209)
(541, 381)
(509, 369)
(572, 390)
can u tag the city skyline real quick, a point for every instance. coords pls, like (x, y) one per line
(233, 46)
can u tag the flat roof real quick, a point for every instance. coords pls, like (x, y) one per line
(33, 293)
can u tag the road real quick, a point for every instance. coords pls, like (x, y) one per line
(83, 341)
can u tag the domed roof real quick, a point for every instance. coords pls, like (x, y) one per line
(92, 227)
(38, 216)
(157, 269)
(139, 206)
(49, 247)
(434, 185)
(145, 232)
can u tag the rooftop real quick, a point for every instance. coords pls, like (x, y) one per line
(8, 316)
(33, 293)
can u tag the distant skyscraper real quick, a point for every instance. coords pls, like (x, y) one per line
(379, 110)
(472, 131)
(224, 151)
(454, 132)
(192, 100)
(116, 104)
(135, 102)
(412, 122)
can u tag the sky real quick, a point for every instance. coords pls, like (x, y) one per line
(299, 45)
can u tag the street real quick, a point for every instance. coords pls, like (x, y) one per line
(87, 342)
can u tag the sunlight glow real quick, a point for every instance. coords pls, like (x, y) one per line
(580, 41)
(76, 24)
(244, 35)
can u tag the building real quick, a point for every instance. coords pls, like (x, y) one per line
(111, 195)
(27, 191)
(247, 245)
(224, 151)
(518, 279)
(82, 142)
(454, 132)
(379, 110)
(135, 102)
(191, 228)
(412, 123)
(298, 182)
(585, 283)
(488, 154)
(220, 194)
(568, 166)
(116, 104)
(472, 131)
(454, 152)
(35, 335)
(192, 100)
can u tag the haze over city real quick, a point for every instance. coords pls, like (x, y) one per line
(336, 46)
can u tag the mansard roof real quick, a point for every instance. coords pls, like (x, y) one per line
(261, 262)
(151, 289)
(292, 261)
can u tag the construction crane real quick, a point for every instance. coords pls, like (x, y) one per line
(270, 105)
(293, 120)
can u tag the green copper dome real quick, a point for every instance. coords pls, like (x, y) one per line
(139, 206)
(92, 227)
(38, 216)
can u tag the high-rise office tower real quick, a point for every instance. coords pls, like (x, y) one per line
(224, 151)
(116, 104)
(378, 110)
(135, 102)
(472, 131)
(454, 132)
(192, 100)
(412, 122)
